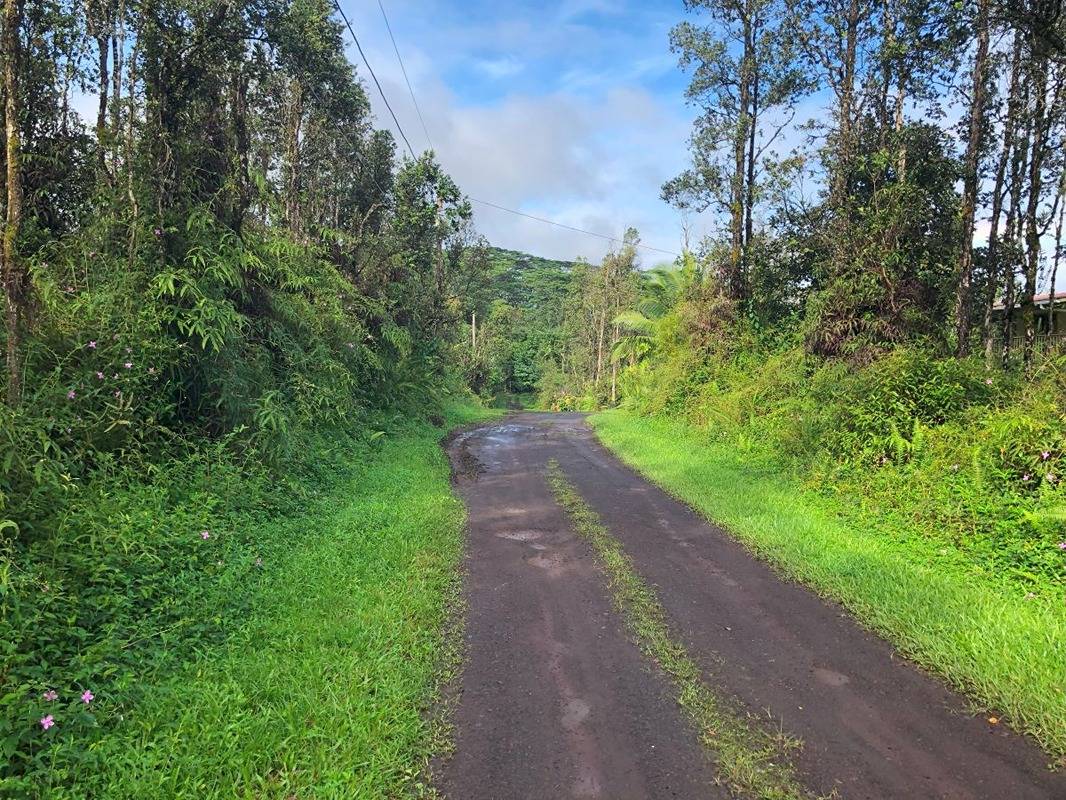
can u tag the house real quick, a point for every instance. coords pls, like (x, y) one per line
(1043, 303)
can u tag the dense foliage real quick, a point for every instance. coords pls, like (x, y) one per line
(217, 290)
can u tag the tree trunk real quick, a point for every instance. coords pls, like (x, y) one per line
(102, 84)
(1055, 264)
(839, 187)
(1032, 224)
(14, 271)
(963, 300)
(292, 157)
(749, 200)
(993, 253)
(737, 192)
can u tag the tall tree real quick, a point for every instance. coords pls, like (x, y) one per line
(971, 171)
(746, 81)
(14, 270)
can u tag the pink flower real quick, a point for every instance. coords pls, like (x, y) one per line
(50, 695)
(71, 394)
(988, 381)
(1045, 455)
(47, 722)
(158, 231)
(1026, 476)
(99, 375)
(205, 535)
(1062, 545)
(87, 697)
(128, 365)
(92, 345)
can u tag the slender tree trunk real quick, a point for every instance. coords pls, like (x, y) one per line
(14, 272)
(292, 156)
(1055, 264)
(103, 83)
(749, 200)
(963, 300)
(993, 254)
(737, 192)
(839, 185)
(1032, 224)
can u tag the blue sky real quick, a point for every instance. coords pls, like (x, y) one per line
(570, 110)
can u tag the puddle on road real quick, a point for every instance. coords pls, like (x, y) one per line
(520, 536)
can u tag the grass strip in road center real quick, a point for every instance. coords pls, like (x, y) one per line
(752, 759)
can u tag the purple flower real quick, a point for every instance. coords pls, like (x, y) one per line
(158, 231)
(92, 345)
(47, 722)
(128, 365)
(87, 697)
(1062, 545)
(205, 535)
(50, 695)
(71, 394)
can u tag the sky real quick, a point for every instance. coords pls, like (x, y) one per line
(572, 111)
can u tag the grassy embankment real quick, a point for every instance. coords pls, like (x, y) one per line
(1008, 652)
(327, 647)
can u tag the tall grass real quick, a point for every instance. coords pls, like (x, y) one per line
(310, 643)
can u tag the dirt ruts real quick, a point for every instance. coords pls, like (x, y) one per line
(556, 702)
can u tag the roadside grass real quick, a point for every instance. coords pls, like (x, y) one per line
(1007, 653)
(751, 758)
(325, 685)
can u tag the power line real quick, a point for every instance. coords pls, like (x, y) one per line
(407, 80)
(336, 4)
(570, 227)
(377, 83)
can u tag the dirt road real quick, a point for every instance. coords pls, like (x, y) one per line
(556, 701)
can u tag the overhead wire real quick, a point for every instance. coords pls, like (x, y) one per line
(407, 80)
(377, 83)
(571, 227)
(425, 130)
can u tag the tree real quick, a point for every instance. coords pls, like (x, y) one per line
(971, 170)
(746, 81)
(14, 270)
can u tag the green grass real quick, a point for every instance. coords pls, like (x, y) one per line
(751, 758)
(326, 687)
(1007, 653)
